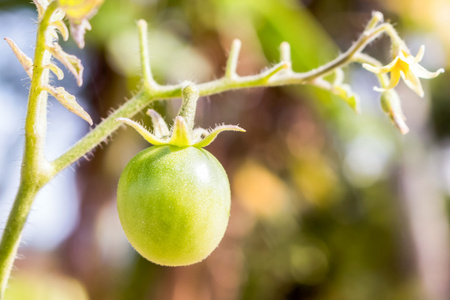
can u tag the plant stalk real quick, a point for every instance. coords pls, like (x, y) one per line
(165, 92)
(189, 97)
(36, 170)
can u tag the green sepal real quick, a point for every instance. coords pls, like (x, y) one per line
(215, 132)
(391, 105)
(180, 134)
(160, 127)
(147, 135)
(344, 91)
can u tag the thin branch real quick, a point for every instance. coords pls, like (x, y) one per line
(285, 54)
(144, 54)
(367, 59)
(274, 70)
(366, 38)
(165, 92)
(189, 97)
(376, 19)
(232, 62)
(36, 170)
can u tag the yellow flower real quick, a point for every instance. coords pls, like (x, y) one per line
(78, 10)
(406, 66)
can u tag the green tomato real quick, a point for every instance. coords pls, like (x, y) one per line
(174, 204)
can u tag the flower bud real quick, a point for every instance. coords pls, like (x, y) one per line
(390, 103)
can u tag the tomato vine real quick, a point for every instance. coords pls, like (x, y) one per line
(38, 171)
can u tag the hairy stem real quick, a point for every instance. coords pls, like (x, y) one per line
(230, 70)
(144, 55)
(362, 58)
(274, 76)
(36, 170)
(103, 130)
(189, 97)
(13, 231)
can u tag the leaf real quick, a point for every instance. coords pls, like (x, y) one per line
(24, 60)
(71, 62)
(69, 101)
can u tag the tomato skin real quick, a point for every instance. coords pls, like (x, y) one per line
(174, 204)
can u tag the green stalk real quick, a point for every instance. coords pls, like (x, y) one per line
(189, 97)
(152, 91)
(36, 170)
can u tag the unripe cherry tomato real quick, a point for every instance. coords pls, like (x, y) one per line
(174, 204)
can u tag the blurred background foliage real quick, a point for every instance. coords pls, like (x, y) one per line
(326, 204)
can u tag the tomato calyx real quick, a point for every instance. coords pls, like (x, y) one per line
(182, 134)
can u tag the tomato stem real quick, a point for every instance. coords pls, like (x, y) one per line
(154, 91)
(147, 76)
(189, 97)
(232, 62)
(36, 170)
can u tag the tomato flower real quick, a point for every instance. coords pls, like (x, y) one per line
(79, 12)
(390, 103)
(406, 66)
